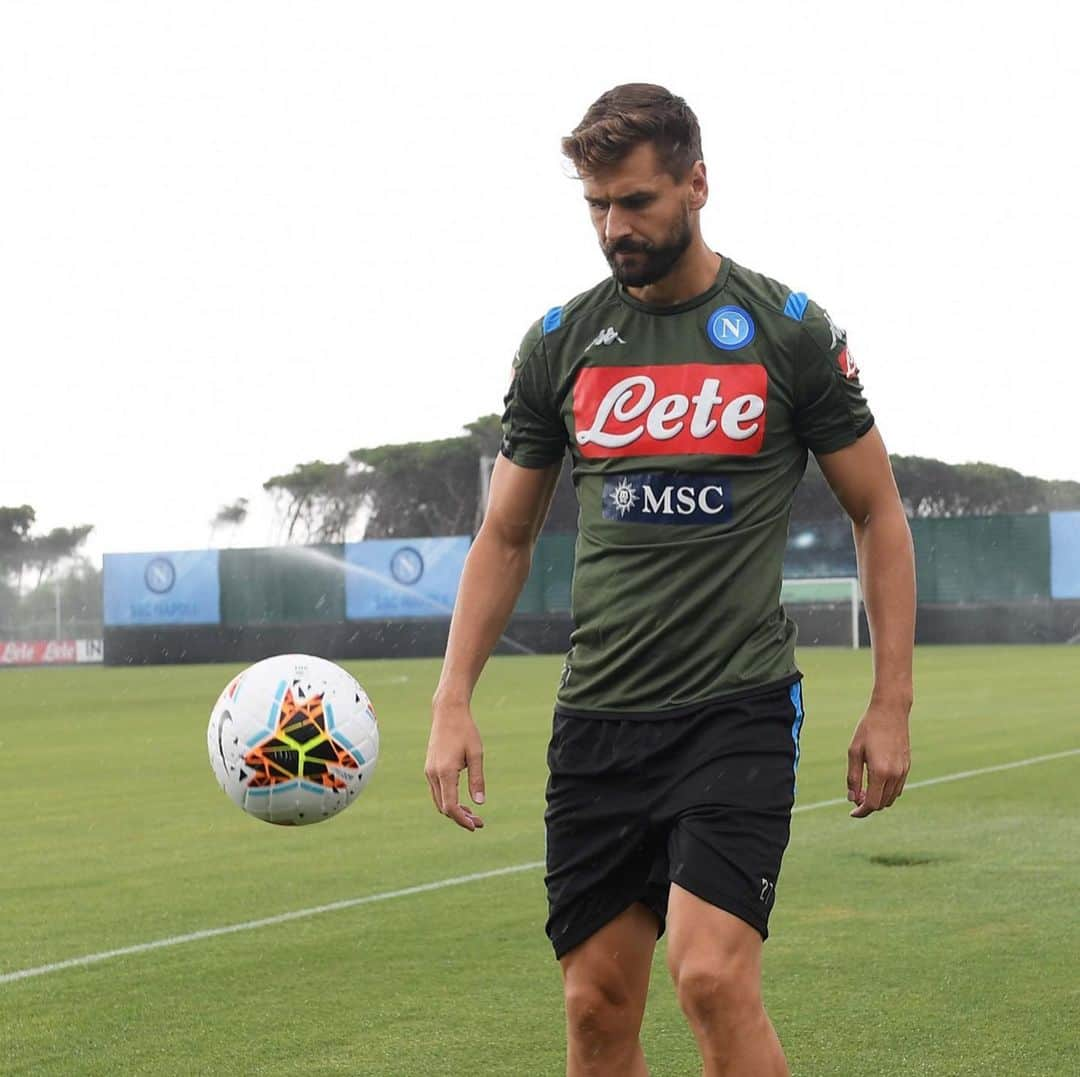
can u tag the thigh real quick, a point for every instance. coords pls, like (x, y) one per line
(613, 963)
(702, 936)
(732, 815)
(603, 852)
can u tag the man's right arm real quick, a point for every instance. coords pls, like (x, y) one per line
(495, 572)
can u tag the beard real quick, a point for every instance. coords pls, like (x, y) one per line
(650, 262)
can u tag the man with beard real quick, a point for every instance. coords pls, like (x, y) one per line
(689, 391)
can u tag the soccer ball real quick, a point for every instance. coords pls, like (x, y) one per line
(293, 739)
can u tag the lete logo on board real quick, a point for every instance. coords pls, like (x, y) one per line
(681, 409)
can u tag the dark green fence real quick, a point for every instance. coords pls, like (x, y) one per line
(547, 589)
(982, 558)
(283, 585)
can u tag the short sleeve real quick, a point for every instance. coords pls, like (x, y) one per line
(533, 431)
(830, 410)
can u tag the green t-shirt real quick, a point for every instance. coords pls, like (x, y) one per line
(688, 428)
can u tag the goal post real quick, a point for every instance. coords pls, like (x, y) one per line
(826, 591)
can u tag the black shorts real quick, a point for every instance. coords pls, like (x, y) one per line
(703, 800)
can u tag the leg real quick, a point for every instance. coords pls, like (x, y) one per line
(605, 981)
(715, 961)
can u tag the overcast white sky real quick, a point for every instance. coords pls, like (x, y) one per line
(235, 236)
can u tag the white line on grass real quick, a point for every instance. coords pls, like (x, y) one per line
(267, 921)
(440, 884)
(958, 776)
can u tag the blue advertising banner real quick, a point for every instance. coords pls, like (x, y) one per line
(1065, 555)
(176, 588)
(389, 578)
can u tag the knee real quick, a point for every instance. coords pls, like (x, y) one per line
(717, 991)
(599, 1014)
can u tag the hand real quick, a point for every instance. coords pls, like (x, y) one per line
(880, 745)
(453, 746)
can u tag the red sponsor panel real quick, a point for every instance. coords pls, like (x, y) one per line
(848, 367)
(677, 410)
(38, 652)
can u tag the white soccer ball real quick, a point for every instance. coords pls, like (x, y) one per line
(293, 739)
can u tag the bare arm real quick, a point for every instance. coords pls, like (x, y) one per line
(861, 477)
(494, 574)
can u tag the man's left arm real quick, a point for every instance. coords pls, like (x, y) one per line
(879, 756)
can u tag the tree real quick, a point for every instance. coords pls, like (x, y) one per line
(430, 488)
(420, 489)
(20, 550)
(231, 516)
(933, 488)
(79, 585)
(46, 552)
(80, 600)
(426, 488)
(322, 498)
(15, 524)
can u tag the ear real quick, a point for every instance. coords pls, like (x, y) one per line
(699, 186)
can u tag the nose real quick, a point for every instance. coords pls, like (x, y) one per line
(616, 225)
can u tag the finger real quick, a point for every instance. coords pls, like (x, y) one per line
(854, 775)
(434, 790)
(474, 760)
(447, 781)
(452, 808)
(871, 801)
(464, 818)
(431, 772)
(894, 788)
(903, 779)
(888, 793)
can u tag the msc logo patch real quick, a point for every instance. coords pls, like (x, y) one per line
(730, 328)
(667, 498)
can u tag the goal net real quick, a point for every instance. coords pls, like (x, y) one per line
(836, 595)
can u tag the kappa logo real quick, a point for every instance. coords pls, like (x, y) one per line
(670, 410)
(839, 336)
(606, 336)
(667, 498)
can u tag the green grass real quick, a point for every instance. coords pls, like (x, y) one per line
(937, 938)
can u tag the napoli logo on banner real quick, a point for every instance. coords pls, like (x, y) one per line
(160, 575)
(407, 566)
(730, 328)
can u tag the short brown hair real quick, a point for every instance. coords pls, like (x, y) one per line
(626, 116)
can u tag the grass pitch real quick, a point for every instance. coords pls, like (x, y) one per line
(938, 938)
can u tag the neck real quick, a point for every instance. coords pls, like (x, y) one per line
(691, 275)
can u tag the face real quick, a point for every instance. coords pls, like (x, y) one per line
(643, 215)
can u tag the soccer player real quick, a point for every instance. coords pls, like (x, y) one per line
(689, 391)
